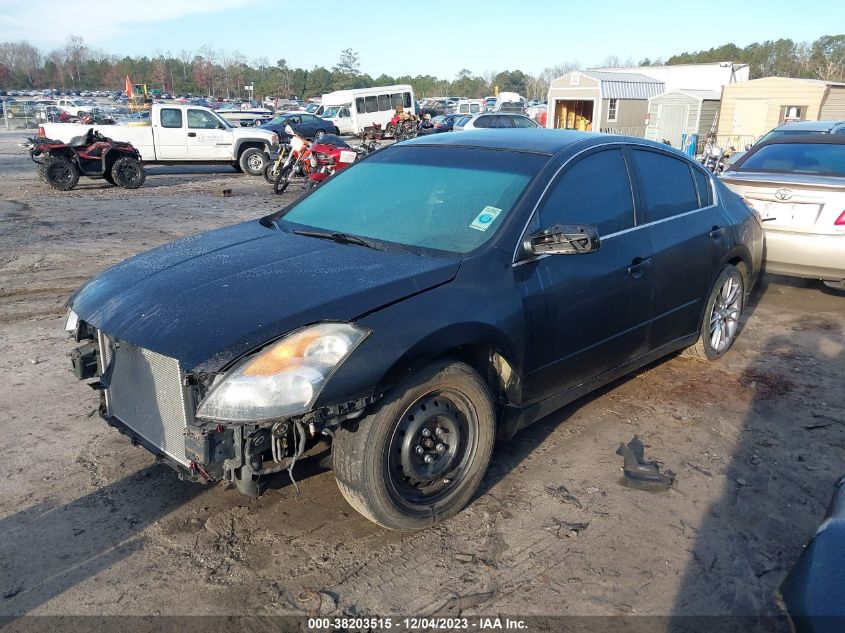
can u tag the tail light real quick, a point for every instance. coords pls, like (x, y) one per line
(43, 134)
(840, 221)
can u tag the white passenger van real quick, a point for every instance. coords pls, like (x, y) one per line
(353, 111)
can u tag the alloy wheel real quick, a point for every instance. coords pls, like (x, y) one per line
(724, 317)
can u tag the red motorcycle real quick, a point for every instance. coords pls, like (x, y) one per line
(93, 155)
(329, 155)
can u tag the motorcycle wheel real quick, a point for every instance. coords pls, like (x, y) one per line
(283, 179)
(60, 173)
(128, 173)
(271, 171)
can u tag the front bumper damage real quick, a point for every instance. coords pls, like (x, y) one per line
(208, 451)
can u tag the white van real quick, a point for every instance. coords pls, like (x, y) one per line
(354, 111)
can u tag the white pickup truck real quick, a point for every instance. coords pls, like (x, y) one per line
(184, 134)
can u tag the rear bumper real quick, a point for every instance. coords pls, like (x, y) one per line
(805, 255)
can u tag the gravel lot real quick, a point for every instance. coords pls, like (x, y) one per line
(92, 526)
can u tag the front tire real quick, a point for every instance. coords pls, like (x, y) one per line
(128, 172)
(271, 171)
(421, 456)
(720, 325)
(319, 134)
(60, 173)
(253, 161)
(283, 179)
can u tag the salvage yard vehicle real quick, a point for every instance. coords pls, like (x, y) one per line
(493, 278)
(185, 134)
(797, 184)
(93, 155)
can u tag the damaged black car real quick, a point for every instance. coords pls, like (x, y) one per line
(434, 297)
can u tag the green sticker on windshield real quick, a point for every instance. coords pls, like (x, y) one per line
(484, 219)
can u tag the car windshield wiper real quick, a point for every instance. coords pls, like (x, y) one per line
(340, 238)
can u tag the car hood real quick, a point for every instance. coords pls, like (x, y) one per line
(208, 299)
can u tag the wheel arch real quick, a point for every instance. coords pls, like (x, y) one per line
(246, 144)
(481, 346)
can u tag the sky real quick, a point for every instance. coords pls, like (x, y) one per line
(432, 38)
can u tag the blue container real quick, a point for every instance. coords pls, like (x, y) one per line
(688, 143)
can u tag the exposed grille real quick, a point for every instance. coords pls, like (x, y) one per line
(146, 394)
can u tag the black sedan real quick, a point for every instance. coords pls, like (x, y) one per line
(306, 125)
(436, 295)
(445, 122)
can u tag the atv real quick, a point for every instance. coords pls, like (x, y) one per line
(93, 155)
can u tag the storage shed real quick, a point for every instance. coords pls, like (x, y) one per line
(601, 101)
(752, 108)
(678, 112)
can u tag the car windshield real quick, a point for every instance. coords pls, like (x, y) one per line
(801, 158)
(442, 198)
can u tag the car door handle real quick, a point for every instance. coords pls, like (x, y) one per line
(716, 232)
(638, 265)
(192, 134)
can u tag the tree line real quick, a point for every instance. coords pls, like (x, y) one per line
(209, 71)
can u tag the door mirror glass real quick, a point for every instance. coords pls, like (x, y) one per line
(565, 239)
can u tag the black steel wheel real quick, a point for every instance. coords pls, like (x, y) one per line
(60, 173)
(128, 172)
(420, 457)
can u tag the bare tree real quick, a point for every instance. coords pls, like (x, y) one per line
(75, 54)
(186, 57)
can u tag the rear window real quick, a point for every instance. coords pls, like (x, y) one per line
(667, 185)
(799, 158)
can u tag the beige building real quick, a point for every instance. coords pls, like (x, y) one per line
(752, 108)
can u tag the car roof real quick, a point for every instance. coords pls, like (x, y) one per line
(818, 139)
(538, 140)
(810, 126)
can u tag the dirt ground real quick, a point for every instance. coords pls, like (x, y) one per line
(91, 525)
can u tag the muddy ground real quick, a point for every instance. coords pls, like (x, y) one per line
(92, 525)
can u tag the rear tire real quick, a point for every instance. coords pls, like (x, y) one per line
(720, 325)
(128, 172)
(420, 457)
(60, 173)
(253, 161)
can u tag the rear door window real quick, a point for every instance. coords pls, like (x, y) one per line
(667, 186)
(595, 190)
(705, 188)
(171, 117)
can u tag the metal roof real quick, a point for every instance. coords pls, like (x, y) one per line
(626, 85)
(701, 95)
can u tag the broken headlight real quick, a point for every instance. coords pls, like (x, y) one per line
(284, 378)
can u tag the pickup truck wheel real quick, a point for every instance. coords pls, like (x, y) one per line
(420, 457)
(253, 161)
(60, 173)
(128, 172)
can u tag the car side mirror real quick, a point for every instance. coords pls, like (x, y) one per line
(564, 239)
